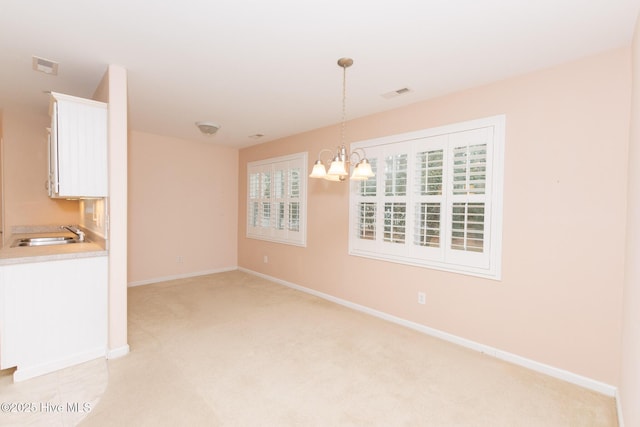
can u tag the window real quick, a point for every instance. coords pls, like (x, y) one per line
(436, 200)
(276, 199)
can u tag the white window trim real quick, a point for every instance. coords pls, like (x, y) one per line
(493, 270)
(272, 233)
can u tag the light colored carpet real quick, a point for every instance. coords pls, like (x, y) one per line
(232, 349)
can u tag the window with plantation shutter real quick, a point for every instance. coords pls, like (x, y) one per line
(276, 199)
(436, 200)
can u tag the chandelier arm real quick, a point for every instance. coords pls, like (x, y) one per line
(357, 158)
(356, 152)
(325, 150)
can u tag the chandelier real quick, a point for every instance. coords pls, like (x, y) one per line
(340, 158)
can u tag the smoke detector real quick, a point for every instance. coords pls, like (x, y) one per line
(208, 128)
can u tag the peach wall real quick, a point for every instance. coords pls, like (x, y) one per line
(630, 369)
(183, 201)
(559, 300)
(24, 166)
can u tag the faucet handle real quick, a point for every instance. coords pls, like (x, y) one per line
(74, 230)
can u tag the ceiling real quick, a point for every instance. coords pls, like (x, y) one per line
(258, 67)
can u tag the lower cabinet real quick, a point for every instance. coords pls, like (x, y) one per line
(53, 314)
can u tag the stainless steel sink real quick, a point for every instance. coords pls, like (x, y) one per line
(44, 241)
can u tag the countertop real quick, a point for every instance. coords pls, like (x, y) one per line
(26, 254)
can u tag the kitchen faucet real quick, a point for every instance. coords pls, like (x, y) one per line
(74, 230)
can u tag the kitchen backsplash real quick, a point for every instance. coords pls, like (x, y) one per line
(93, 215)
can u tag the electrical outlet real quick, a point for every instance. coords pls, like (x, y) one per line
(266, 259)
(179, 259)
(422, 298)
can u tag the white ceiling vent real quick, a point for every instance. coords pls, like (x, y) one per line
(395, 93)
(45, 66)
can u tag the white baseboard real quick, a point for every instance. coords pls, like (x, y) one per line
(118, 352)
(25, 373)
(180, 276)
(562, 374)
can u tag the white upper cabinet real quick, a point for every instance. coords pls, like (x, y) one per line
(77, 147)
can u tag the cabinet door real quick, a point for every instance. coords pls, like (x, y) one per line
(52, 314)
(79, 147)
